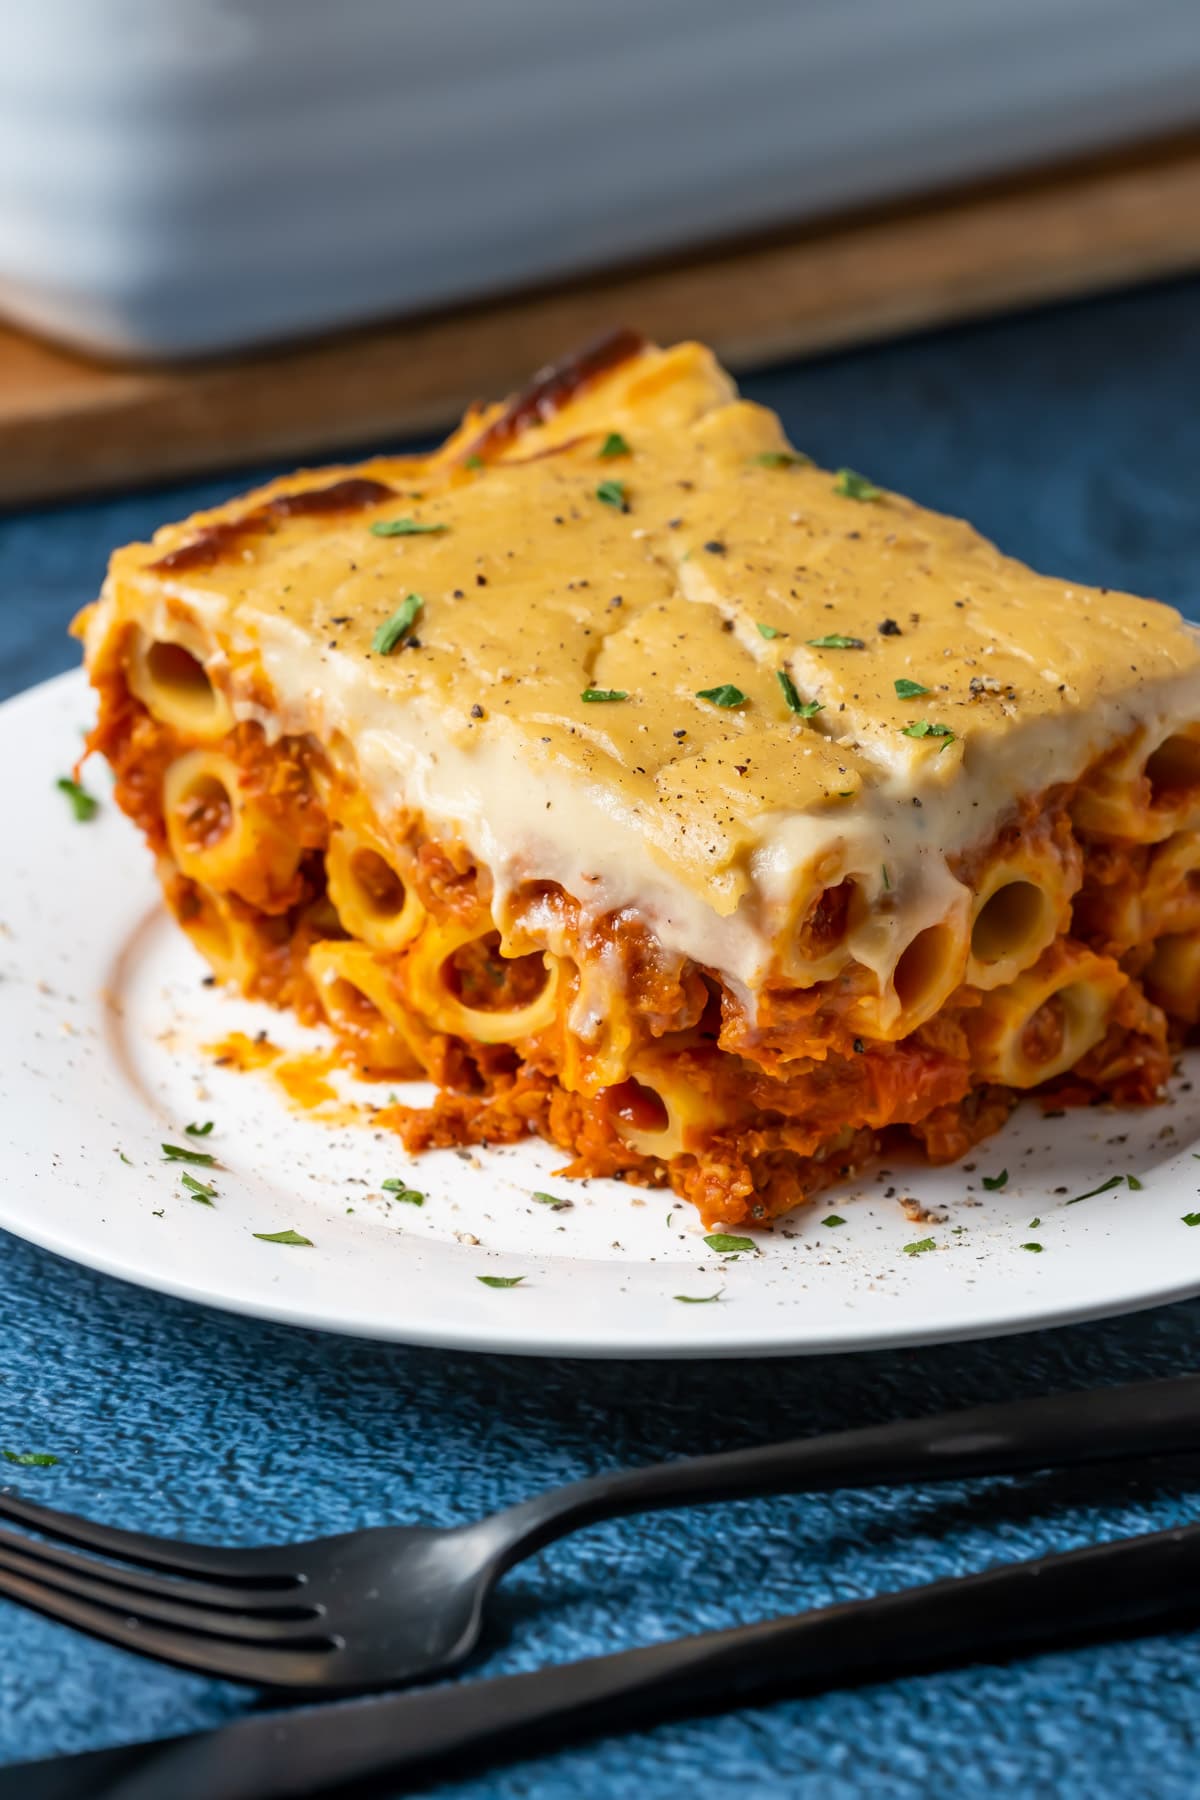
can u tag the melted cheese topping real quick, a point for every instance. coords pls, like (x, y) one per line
(715, 822)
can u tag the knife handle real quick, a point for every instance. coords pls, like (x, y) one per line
(1019, 1607)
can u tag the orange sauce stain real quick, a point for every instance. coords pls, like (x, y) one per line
(237, 1051)
(305, 1078)
(301, 1076)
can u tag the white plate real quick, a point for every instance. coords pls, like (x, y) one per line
(104, 1024)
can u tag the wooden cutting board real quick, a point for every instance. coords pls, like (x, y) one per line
(68, 425)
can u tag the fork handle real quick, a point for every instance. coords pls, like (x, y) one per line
(1015, 1609)
(1141, 1418)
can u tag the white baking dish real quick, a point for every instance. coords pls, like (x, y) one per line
(179, 176)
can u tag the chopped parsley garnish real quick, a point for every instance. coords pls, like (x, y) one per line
(400, 1190)
(698, 1299)
(922, 728)
(1134, 1183)
(557, 1204)
(836, 640)
(730, 1246)
(199, 1130)
(594, 694)
(1191, 1218)
(994, 1182)
(920, 1247)
(283, 1237)
(1112, 1182)
(29, 1459)
(404, 528)
(833, 1219)
(855, 487)
(804, 709)
(1034, 1223)
(392, 630)
(908, 690)
(1037, 1248)
(500, 1281)
(85, 806)
(780, 459)
(614, 445)
(611, 493)
(725, 695)
(181, 1153)
(767, 631)
(474, 462)
(204, 1196)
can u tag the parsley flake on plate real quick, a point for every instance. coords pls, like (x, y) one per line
(832, 1219)
(767, 631)
(400, 1190)
(920, 1247)
(698, 1299)
(1134, 1183)
(556, 1203)
(404, 528)
(855, 487)
(725, 695)
(283, 1237)
(181, 1153)
(1112, 1182)
(1036, 1248)
(201, 1194)
(908, 690)
(612, 493)
(836, 640)
(85, 806)
(594, 695)
(402, 621)
(29, 1459)
(1191, 1218)
(500, 1281)
(728, 1245)
(199, 1130)
(781, 459)
(994, 1183)
(614, 445)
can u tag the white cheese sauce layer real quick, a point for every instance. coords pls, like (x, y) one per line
(528, 818)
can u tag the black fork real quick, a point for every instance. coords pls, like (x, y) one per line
(381, 1607)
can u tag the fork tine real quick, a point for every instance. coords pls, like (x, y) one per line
(170, 1603)
(134, 1580)
(245, 1628)
(263, 1667)
(166, 1554)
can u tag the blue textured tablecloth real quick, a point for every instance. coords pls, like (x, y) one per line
(1072, 437)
